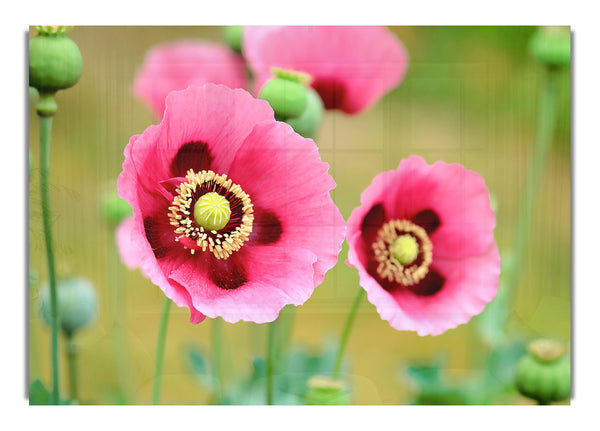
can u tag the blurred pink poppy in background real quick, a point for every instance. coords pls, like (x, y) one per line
(423, 243)
(351, 67)
(217, 147)
(177, 65)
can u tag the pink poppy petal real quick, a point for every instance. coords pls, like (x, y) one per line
(467, 219)
(352, 67)
(285, 177)
(276, 276)
(221, 118)
(129, 253)
(136, 252)
(469, 285)
(178, 65)
(457, 196)
(204, 128)
(451, 203)
(209, 140)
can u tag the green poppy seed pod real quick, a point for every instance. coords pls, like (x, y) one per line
(54, 61)
(324, 391)
(309, 121)
(77, 304)
(114, 208)
(233, 37)
(33, 94)
(286, 93)
(552, 46)
(544, 373)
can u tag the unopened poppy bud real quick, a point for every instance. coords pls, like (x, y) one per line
(326, 392)
(544, 373)
(309, 121)
(54, 60)
(77, 305)
(552, 46)
(286, 93)
(114, 208)
(233, 37)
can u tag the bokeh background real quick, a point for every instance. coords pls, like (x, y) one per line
(470, 96)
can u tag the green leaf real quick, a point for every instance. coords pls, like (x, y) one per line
(425, 375)
(38, 394)
(200, 367)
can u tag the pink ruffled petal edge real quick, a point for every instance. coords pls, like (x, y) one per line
(136, 252)
(470, 285)
(283, 173)
(277, 276)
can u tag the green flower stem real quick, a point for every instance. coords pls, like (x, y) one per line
(546, 125)
(46, 108)
(286, 318)
(271, 329)
(346, 333)
(160, 350)
(71, 351)
(217, 341)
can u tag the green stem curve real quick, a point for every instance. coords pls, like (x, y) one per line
(346, 333)
(160, 350)
(45, 135)
(546, 125)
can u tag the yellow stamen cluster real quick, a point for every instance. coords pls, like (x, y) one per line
(180, 215)
(384, 248)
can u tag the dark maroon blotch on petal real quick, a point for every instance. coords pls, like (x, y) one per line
(371, 224)
(331, 92)
(228, 273)
(266, 228)
(430, 285)
(193, 155)
(428, 220)
(156, 238)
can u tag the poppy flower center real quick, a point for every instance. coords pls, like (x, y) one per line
(212, 211)
(403, 252)
(405, 249)
(222, 214)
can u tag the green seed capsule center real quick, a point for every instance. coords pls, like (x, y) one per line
(212, 211)
(405, 249)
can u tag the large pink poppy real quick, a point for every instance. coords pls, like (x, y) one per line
(423, 243)
(284, 231)
(351, 67)
(177, 65)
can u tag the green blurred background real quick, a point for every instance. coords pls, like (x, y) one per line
(470, 96)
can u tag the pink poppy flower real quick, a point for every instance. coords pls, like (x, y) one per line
(423, 243)
(281, 232)
(177, 65)
(351, 67)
